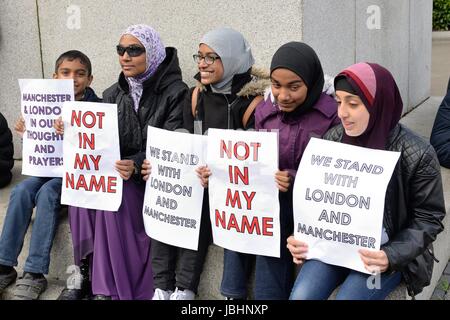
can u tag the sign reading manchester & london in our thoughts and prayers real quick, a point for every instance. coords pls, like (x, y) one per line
(41, 105)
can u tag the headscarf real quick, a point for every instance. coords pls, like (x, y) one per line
(234, 52)
(377, 89)
(155, 54)
(301, 59)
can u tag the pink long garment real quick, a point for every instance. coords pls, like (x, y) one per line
(120, 248)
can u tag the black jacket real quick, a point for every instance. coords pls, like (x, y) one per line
(220, 111)
(90, 95)
(440, 135)
(414, 206)
(6, 152)
(160, 106)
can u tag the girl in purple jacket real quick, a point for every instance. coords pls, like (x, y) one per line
(298, 110)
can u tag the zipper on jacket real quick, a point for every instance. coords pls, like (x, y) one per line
(230, 106)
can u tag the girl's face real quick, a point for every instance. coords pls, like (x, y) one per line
(132, 66)
(353, 113)
(288, 89)
(209, 73)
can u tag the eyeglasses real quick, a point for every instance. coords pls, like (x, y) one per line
(208, 59)
(133, 50)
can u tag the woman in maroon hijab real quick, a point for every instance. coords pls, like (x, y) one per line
(370, 107)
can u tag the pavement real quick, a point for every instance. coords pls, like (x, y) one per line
(420, 120)
(440, 73)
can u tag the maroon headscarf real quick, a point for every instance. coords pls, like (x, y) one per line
(378, 91)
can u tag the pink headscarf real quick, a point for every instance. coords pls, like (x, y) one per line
(378, 90)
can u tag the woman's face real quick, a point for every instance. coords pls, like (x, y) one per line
(353, 113)
(132, 66)
(209, 73)
(288, 89)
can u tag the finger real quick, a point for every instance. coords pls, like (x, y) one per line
(125, 162)
(124, 167)
(282, 188)
(282, 178)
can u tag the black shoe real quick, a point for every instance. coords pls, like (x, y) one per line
(71, 294)
(7, 278)
(84, 289)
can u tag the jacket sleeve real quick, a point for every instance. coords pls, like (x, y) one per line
(174, 119)
(426, 209)
(440, 135)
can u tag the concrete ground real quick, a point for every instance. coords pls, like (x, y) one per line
(440, 63)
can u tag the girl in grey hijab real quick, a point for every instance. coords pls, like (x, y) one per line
(234, 52)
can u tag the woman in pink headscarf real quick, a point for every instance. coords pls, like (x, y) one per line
(113, 246)
(370, 107)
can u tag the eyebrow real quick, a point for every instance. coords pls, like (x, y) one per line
(349, 96)
(208, 53)
(290, 83)
(68, 69)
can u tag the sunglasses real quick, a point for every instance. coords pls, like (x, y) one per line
(133, 50)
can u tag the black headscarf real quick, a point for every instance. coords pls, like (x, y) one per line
(301, 59)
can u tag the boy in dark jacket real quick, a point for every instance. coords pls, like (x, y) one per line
(6, 153)
(42, 193)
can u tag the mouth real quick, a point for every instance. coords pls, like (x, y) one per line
(127, 67)
(347, 125)
(205, 74)
(284, 105)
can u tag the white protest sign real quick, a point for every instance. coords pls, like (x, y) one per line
(91, 148)
(243, 195)
(41, 104)
(173, 193)
(339, 196)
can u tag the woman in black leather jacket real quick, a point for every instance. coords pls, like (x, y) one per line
(370, 107)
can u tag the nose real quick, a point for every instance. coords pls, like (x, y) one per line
(342, 111)
(283, 94)
(202, 63)
(125, 56)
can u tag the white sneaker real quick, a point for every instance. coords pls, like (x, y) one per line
(182, 295)
(162, 294)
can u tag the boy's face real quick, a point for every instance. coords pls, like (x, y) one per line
(78, 72)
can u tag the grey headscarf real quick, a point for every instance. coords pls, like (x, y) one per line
(234, 52)
(155, 54)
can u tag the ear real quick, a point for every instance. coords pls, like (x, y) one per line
(90, 78)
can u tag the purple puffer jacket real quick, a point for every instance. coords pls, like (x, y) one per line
(294, 130)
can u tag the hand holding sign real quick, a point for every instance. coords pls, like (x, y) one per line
(146, 169)
(203, 173)
(59, 126)
(374, 261)
(283, 180)
(298, 249)
(20, 126)
(125, 168)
